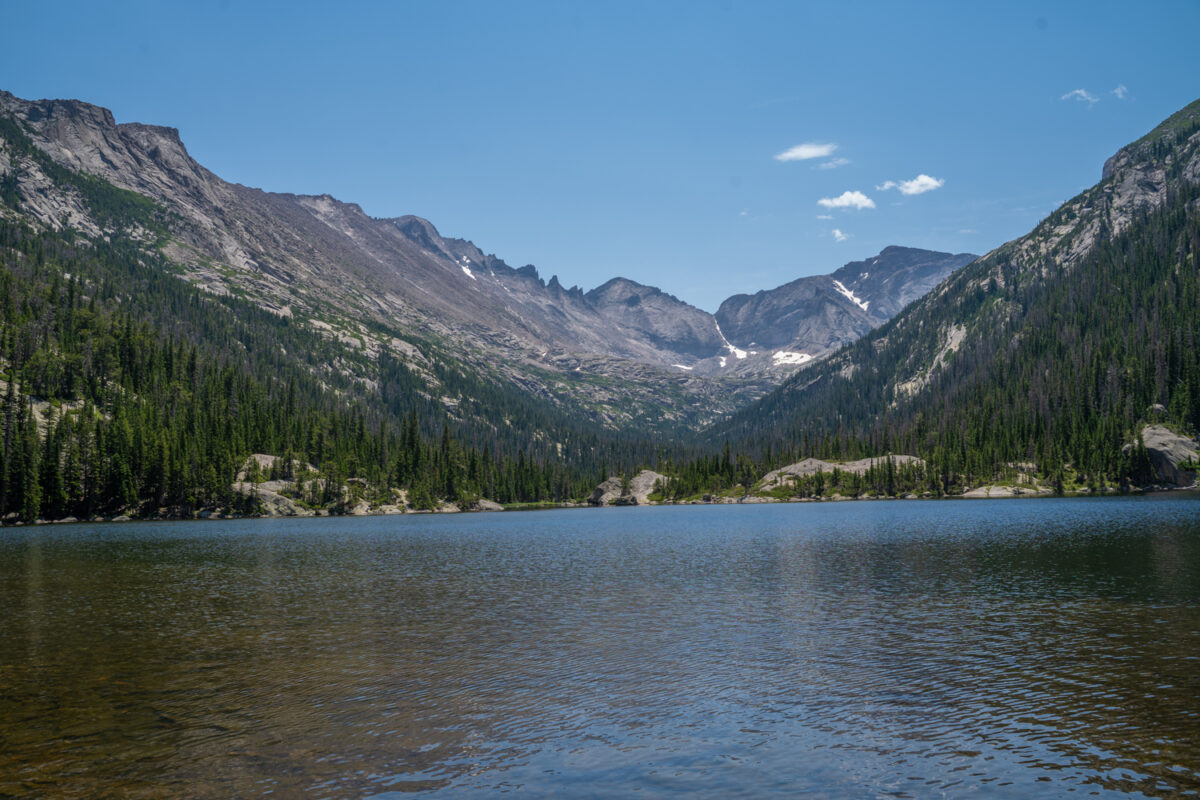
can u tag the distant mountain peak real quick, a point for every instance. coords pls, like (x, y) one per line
(1072, 329)
(326, 263)
(818, 313)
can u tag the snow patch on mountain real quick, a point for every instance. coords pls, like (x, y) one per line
(789, 357)
(851, 296)
(738, 353)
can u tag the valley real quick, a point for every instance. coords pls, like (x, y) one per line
(163, 325)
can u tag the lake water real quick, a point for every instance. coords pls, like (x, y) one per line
(996, 648)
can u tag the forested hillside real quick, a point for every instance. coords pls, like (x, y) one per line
(1052, 350)
(128, 390)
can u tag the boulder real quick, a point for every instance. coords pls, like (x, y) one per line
(640, 487)
(606, 492)
(263, 463)
(270, 502)
(1167, 450)
(990, 491)
(260, 461)
(811, 466)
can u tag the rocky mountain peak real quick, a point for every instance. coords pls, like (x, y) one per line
(461, 252)
(40, 112)
(419, 230)
(1134, 180)
(818, 313)
(294, 254)
(154, 133)
(621, 290)
(895, 277)
(1159, 144)
(662, 318)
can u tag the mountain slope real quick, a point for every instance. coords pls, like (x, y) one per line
(1054, 348)
(374, 285)
(820, 313)
(621, 356)
(129, 392)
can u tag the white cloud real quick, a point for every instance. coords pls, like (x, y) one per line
(839, 236)
(848, 200)
(743, 213)
(834, 163)
(1121, 92)
(824, 216)
(918, 185)
(1082, 95)
(803, 152)
(967, 231)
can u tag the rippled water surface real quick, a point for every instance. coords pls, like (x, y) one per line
(1015, 648)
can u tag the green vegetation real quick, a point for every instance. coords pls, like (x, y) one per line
(126, 390)
(1058, 369)
(111, 207)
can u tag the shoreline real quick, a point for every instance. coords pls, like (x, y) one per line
(213, 515)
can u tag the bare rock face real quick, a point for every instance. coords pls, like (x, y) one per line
(661, 318)
(331, 267)
(811, 466)
(610, 492)
(819, 313)
(606, 492)
(1167, 450)
(896, 277)
(270, 501)
(1004, 491)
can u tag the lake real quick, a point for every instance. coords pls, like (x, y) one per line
(997, 648)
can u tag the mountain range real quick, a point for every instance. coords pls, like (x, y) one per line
(624, 355)
(1056, 350)
(159, 325)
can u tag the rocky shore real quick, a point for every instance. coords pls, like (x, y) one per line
(1172, 460)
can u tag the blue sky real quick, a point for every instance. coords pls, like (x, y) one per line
(640, 139)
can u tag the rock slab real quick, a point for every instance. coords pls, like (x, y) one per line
(811, 466)
(1167, 450)
(610, 492)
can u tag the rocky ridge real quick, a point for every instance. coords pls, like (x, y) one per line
(1035, 369)
(819, 313)
(623, 354)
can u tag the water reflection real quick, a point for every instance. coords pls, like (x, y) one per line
(849, 650)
